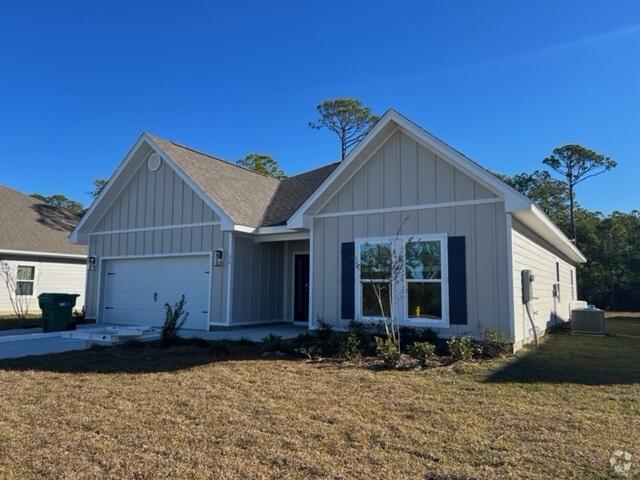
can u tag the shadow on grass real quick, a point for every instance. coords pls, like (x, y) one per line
(580, 359)
(139, 358)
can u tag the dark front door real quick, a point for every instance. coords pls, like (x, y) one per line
(301, 288)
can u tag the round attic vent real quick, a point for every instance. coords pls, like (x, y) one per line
(154, 162)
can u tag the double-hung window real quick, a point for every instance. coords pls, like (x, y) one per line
(423, 277)
(375, 279)
(25, 278)
(406, 276)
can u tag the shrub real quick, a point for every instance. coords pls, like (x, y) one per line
(387, 351)
(411, 335)
(174, 318)
(324, 331)
(220, 348)
(494, 344)
(351, 347)
(329, 342)
(461, 348)
(273, 343)
(422, 352)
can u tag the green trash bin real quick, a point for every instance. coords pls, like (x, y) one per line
(57, 311)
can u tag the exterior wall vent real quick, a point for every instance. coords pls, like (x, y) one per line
(153, 162)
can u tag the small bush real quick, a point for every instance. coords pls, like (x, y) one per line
(494, 344)
(328, 341)
(461, 348)
(196, 342)
(387, 351)
(324, 331)
(174, 318)
(351, 347)
(422, 352)
(273, 343)
(411, 335)
(220, 348)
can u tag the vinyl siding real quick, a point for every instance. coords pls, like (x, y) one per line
(405, 173)
(530, 252)
(258, 281)
(157, 199)
(51, 276)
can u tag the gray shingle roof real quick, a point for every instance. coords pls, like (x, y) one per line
(292, 192)
(242, 193)
(28, 224)
(248, 197)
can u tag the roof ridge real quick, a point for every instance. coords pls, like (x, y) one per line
(228, 162)
(313, 169)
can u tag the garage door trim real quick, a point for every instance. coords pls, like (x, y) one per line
(101, 273)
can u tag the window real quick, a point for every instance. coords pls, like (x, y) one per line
(375, 274)
(408, 274)
(573, 290)
(558, 272)
(423, 273)
(25, 279)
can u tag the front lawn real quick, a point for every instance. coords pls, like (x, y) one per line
(185, 412)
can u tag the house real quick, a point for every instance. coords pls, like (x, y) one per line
(34, 245)
(246, 248)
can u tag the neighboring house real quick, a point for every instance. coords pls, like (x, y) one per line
(246, 249)
(34, 243)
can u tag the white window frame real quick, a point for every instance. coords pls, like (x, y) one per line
(360, 280)
(398, 247)
(33, 281)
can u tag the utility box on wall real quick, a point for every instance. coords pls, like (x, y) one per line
(527, 285)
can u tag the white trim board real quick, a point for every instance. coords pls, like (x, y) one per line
(27, 253)
(461, 203)
(230, 264)
(152, 229)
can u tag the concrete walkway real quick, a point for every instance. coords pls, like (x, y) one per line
(21, 343)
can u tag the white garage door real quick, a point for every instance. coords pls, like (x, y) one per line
(135, 290)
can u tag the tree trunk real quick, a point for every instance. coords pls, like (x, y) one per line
(571, 214)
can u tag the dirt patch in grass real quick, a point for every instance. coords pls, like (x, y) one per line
(188, 412)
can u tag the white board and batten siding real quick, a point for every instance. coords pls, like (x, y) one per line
(530, 252)
(405, 173)
(157, 215)
(51, 275)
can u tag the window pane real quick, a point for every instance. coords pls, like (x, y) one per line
(375, 260)
(423, 260)
(374, 294)
(26, 273)
(24, 288)
(425, 300)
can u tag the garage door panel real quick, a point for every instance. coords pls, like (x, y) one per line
(136, 290)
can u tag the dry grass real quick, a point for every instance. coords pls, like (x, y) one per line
(144, 413)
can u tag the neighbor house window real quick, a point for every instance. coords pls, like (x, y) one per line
(25, 278)
(404, 275)
(423, 272)
(375, 285)
(573, 288)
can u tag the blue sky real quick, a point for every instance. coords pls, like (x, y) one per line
(503, 81)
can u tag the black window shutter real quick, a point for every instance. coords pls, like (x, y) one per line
(457, 281)
(348, 280)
